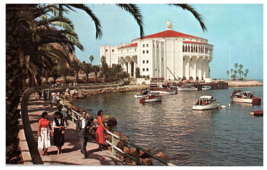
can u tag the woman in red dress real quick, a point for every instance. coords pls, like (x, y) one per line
(99, 138)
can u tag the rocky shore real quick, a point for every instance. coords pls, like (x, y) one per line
(245, 83)
(69, 96)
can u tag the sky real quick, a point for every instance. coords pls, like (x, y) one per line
(239, 26)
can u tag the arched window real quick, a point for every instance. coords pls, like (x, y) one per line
(186, 48)
(191, 48)
(183, 48)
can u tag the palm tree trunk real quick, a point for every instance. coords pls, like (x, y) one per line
(104, 78)
(64, 79)
(95, 77)
(76, 79)
(87, 81)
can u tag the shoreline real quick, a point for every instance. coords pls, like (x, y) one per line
(245, 83)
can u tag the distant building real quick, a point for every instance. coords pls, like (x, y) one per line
(165, 54)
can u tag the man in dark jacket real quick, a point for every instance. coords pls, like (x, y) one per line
(82, 127)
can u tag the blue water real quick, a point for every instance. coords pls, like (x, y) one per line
(229, 137)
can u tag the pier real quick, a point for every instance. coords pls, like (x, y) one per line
(213, 85)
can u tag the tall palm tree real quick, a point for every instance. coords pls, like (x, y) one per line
(241, 66)
(87, 68)
(227, 72)
(231, 71)
(247, 70)
(29, 47)
(236, 65)
(239, 72)
(76, 66)
(96, 69)
(91, 58)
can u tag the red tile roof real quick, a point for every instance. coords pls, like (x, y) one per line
(129, 45)
(194, 42)
(169, 33)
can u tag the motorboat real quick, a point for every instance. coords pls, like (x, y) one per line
(245, 97)
(206, 103)
(164, 91)
(142, 93)
(206, 87)
(151, 98)
(187, 87)
(257, 113)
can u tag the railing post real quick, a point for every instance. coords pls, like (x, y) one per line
(137, 154)
(113, 144)
(72, 116)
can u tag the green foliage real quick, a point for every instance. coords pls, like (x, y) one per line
(137, 71)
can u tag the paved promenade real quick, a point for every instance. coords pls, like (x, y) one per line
(71, 154)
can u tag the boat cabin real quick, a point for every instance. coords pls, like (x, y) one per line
(204, 100)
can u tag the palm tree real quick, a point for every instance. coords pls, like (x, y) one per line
(87, 68)
(235, 73)
(91, 58)
(96, 69)
(76, 66)
(104, 68)
(240, 66)
(227, 72)
(245, 74)
(30, 46)
(64, 71)
(239, 72)
(247, 71)
(236, 65)
(231, 71)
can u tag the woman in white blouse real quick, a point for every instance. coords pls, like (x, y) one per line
(59, 126)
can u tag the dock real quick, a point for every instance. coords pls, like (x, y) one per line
(213, 85)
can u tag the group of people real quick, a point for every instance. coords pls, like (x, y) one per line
(58, 130)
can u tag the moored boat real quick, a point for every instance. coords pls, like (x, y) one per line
(150, 98)
(206, 103)
(163, 91)
(187, 87)
(206, 87)
(257, 113)
(245, 97)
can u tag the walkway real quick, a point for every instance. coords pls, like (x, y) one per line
(71, 149)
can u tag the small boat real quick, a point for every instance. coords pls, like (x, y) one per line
(257, 113)
(206, 87)
(150, 98)
(206, 103)
(245, 97)
(163, 91)
(142, 93)
(187, 87)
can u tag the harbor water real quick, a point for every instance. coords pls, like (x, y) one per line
(219, 137)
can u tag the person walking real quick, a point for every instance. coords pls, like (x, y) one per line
(64, 114)
(53, 99)
(99, 138)
(59, 126)
(82, 127)
(43, 133)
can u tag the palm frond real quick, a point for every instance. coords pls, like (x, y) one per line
(135, 11)
(194, 12)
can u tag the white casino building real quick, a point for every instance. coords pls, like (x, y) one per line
(165, 54)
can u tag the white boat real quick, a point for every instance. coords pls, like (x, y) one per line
(206, 103)
(245, 97)
(138, 96)
(187, 87)
(150, 98)
(206, 87)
